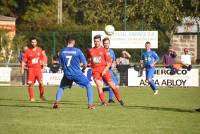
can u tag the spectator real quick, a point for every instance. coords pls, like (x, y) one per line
(169, 57)
(20, 57)
(186, 60)
(122, 66)
(55, 58)
(55, 66)
(169, 60)
(124, 60)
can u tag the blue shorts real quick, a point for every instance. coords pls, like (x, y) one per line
(114, 78)
(79, 79)
(150, 73)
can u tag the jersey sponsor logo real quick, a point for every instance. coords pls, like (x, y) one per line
(35, 60)
(96, 60)
(147, 59)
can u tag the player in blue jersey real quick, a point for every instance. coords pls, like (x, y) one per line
(149, 59)
(106, 44)
(70, 59)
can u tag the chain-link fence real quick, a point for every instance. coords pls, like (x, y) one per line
(54, 41)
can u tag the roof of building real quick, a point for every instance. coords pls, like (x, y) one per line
(6, 18)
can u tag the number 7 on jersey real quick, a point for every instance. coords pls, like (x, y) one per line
(68, 60)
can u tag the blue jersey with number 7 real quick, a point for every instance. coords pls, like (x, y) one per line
(70, 59)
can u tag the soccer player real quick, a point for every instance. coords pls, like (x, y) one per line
(33, 57)
(100, 62)
(150, 58)
(106, 44)
(70, 59)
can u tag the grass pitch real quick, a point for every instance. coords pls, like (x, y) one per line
(170, 112)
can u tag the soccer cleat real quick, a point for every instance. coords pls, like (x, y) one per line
(43, 98)
(155, 92)
(32, 100)
(91, 106)
(55, 105)
(111, 101)
(121, 103)
(104, 104)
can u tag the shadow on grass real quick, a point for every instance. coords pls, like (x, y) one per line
(41, 106)
(44, 104)
(40, 101)
(162, 109)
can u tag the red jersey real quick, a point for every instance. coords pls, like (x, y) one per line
(33, 58)
(98, 57)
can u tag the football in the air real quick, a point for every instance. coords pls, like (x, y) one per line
(109, 29)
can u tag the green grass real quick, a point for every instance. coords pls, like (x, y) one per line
(171, 112)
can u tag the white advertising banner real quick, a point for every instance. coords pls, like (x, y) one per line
(130, 39)
(5, 74)
(55, 78)
(162, 77)
(52, 78)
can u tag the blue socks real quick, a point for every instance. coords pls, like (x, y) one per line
(89, 94)
(111, 94)
(59, 93)
(153, 85)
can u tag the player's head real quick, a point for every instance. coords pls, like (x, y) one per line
(97, 40)
(70, 42)
(148, 46)
(33, 42)
(106, 42)
(186, 50)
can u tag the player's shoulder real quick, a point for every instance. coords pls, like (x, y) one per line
(154, 52)
(28, 50)
(39, 49)
(102, 49)
(77, 49)
(91, 50)
(111, 50)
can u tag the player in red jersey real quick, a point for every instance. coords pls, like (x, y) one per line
(33, 57)
(100, 62)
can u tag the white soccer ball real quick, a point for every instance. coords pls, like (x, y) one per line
(109, 29)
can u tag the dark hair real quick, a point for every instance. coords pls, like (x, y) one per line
(106, 38)
(147, 42)
(32, 38)
(97, 37)
(69, 39)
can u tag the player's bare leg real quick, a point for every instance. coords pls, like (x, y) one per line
(41, 88)
(30, 92)
(100, 92)
(116, 92)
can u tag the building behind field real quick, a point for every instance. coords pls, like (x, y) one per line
(187, 36)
